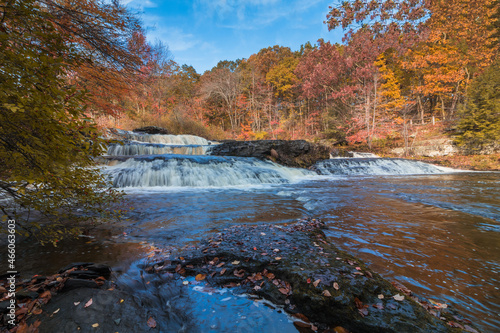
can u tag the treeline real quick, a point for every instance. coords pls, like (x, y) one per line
(401, 61)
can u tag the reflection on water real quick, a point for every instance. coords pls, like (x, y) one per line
(439, 235)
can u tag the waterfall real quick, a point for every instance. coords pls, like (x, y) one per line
(166, 138)
(137, 148)
(200, 171)
(376, 166)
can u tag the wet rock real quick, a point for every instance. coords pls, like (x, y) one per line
(296, 267)
(72, 284)
(295, 153)
(101, 269)
(75, 265)
(151, 130)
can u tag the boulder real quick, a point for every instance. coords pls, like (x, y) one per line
(151, 130)
(293, 153)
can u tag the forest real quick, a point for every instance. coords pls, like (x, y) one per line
(401, 62)
(70, 69)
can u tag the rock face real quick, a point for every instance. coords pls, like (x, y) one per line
(151, 130)
(430, 148)
(296, 153)
(296, 267)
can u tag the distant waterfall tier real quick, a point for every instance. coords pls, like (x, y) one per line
(375, 166)
(164, 138)
(200, 171)
(137, 148)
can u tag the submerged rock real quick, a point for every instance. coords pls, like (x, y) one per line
(294, 153)
(296, 267)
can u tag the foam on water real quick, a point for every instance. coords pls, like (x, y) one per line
(165, 138)
(376, 166)
(137, 148)
(200, 171)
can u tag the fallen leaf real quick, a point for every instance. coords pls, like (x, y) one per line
(223, 271)
(358, 268)
(278, 258)
(314, 328)
(56, 311)
(151, 322)
(236, 262)
(398, 297)
(257, 288)
(95, 325)
(336, 286)
(89, 303)
(200, 277)
(455, 325)
(276, 250)
(379, 306)
(37, 311)
(283, 291)
(470, 329)
(363, 312)
(221, 264)
(122, 300)
(380, 296)
(326, 293)
(308, 280)
(315, 283)
(358, 303)
(185, 283)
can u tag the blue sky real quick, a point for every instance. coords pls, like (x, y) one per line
(202, 32)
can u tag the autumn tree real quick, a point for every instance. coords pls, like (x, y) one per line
(224, 85)
(47, 144)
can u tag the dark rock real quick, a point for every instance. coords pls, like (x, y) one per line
(4, 306)
(296, 267)
(26, 294)
(76, 265)
(101, 269)
(86, 275)
(295, 153)
(151, 130)
(72, 284)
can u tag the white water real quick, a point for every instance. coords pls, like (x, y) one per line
(376, 166)
(181, 161)
(166, 139)
(137, 148)
(200, 171)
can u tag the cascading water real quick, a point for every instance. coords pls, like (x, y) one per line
(173, 163)
(375, 166)
(200, 171)
(138, 148)
(165, 138)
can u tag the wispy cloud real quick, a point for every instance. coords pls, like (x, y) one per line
(251, 14)
(140, 4)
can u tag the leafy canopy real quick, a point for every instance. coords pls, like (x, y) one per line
(47, 143)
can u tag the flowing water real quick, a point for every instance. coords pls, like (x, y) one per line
(432, 229)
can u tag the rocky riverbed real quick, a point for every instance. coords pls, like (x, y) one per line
(293, 266)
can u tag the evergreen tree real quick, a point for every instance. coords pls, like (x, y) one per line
(479, 126)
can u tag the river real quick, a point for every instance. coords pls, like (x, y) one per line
(434, 230)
